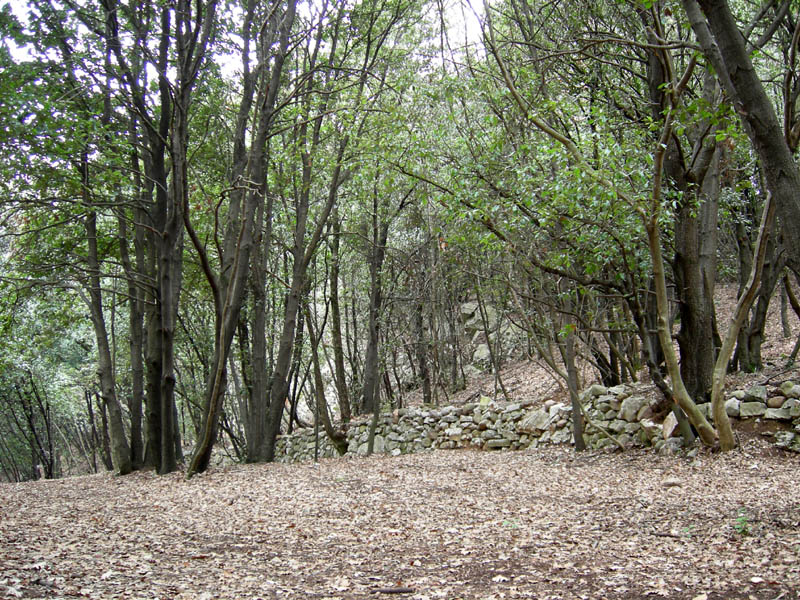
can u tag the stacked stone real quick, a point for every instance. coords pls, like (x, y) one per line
(622, 412)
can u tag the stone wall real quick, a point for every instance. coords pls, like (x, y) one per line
(624, 412)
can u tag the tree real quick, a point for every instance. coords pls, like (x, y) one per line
(246, 199)
(724, 46)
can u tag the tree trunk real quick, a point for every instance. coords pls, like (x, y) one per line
(693, 264)
(170, 255)
(257, 406)
(339, 377)
(136, 325)
(120, 450)
(726, 438)
(695, 274)
(421, 346)
(751, 335)
(152, 421)
(228, 287)
(371, 389)
(337, 437)
(651, 221)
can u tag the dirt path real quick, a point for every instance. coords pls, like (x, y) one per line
(450, 524)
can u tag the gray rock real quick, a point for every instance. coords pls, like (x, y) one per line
(632, 427)
(471, 371)
(778, 414)
(602, 407)
(670, 425)
(482, 355)
(597, 390)
(793, 406)
(468, 309)
(561, 436)
(651, 429)
(756, 393)
(631, 407)
(705, 409)
(775, 401)
(671, 446)
(788, 441)
(732, 407)
(739, 394)
(625, 439)
(496, 444)
(454, 433)
(643, 439)
(752, 409)
(617, 425)
(618, 390)
(789, 389)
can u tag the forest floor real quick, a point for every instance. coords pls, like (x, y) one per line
(457, 525)
(543, 524)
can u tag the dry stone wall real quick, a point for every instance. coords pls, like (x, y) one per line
(623, 412)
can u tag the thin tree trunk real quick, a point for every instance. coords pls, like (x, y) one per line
(136, 326)
(371, 390)
(338, 438)
(726, 438)
(339, 376)
(680, 394)
(120, 450)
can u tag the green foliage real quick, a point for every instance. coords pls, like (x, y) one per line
(741, 524)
